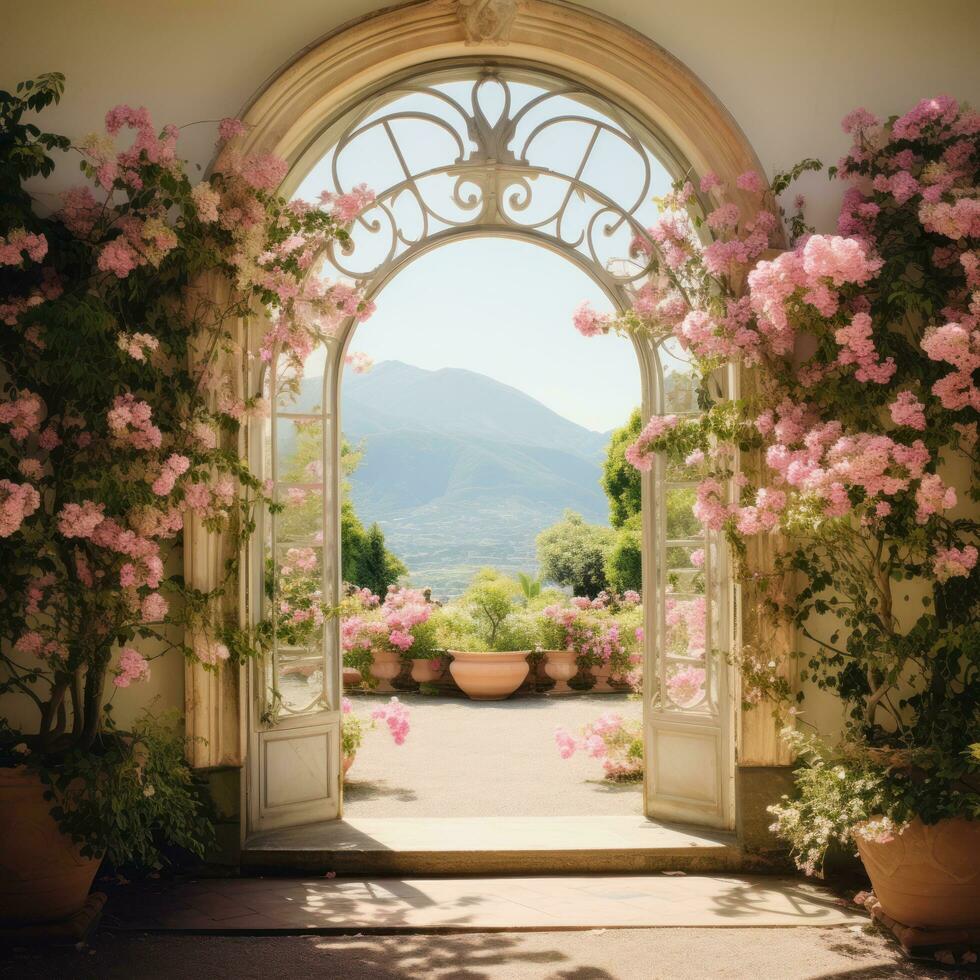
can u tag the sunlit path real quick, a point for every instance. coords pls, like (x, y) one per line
(484, 759)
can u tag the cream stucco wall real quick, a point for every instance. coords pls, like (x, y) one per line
(787, 70)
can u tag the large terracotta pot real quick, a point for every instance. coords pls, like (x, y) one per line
(43, 877)
(386, 665)
(561, 667)
(488, 676)
(928, 876)
(427, 671)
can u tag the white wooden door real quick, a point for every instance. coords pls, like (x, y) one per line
(688, 703)
(295, 692)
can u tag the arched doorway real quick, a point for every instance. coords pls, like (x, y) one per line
(513, 152)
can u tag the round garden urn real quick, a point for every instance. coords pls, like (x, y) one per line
(427, 671)
(386, 665)
(927, 876)
(601, 674)
(561, 667)
(486, 675)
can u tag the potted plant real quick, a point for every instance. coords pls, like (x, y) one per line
(394, 714)
(115, 427)
(392, 632)
(560, 662)
(864, 413)
(611, 738)
(602, 635)
(487, 641)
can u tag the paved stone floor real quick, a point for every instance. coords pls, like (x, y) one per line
(414, 904)
(843, 953)
(467, 758)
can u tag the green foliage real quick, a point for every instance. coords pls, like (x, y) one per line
(573, 553)
(620, 479)
(24, 149)
(131, 795)
(530, 587)
(351, 735)
(624, 561)
(367, 562)
(490, 599)
(854, 790)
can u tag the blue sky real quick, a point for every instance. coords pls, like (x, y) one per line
(504, 308)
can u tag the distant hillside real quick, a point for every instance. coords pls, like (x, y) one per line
(462, 471)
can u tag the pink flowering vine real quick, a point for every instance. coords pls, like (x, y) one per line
(120, 416)
(864, 344)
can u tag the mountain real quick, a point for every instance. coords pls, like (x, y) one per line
(455, 401)
(460, 470)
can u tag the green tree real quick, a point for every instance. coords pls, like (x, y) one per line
(624, 562)
(375, 567)
(490, 598)
(620, 480)
(573, 553)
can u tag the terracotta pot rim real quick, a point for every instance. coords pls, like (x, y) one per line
(491, 655)
(915, 821)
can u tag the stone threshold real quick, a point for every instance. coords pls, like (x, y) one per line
(491, 846)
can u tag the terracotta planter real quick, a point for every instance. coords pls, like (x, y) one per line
(348, 761)
(601, 675)
(427, 671)
(488, 676)
(385, 667)
(561, 667)
(928, 877)
(43, 877)
(352, 677)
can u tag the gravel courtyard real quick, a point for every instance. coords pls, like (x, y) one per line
(467, 758)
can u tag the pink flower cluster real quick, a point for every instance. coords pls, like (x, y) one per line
(908, 411)
(137, 345)
(17, 502)
(589, 323)
(23, 414)
(19, 243)
(396, 716)
(80, 520)
(685, 620)
(954, 562)
(685, 687)
(346, 207)
(359, 362)
(610, 739)
(957, 344)
(130, 423)
(641, 452)
(132, 668)
(87, 521)
(387, 624)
